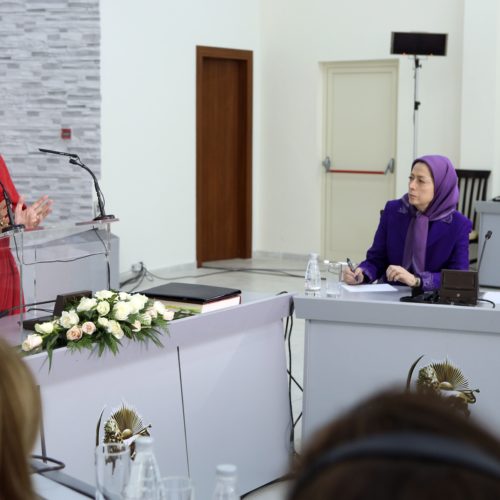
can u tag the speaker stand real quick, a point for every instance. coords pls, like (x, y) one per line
(416, 105)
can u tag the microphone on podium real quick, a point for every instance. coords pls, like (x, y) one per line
(74, 159)
(62, 153)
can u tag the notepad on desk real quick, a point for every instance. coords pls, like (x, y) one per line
(195, 297)
(376, 287)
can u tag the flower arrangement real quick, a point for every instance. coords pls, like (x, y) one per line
(100, 323)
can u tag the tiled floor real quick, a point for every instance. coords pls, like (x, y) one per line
(261, 274)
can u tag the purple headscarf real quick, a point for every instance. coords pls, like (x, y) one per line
(442, 205)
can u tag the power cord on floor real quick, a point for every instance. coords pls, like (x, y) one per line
(142, 273)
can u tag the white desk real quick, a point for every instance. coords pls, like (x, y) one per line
(217, 392)
(362, 342)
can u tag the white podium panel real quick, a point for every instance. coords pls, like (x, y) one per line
(234, 383)
(362, 343)
(216, 392)
(79, 386)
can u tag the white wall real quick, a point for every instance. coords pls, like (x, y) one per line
(480, 90)
(148, 109)
(148, 116)
(297, 35)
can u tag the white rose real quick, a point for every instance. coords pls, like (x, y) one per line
(136, 326)
(103, 322)
(152, 312)
(104, 294)
(168, 315)
(103, 308)
(31, 342)
(88, 328)
(121, 310)
(124, 296)
(159, 307)
(137, 302)
(74, 317)
(115, 329)
(145, 319)
(74, 333)
(86, 304)
(69, 319)
(44, 328)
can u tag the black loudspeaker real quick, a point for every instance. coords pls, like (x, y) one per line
(61, 301)
(458, 287)
(421, 44)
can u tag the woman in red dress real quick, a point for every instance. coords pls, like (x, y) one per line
(30, 216)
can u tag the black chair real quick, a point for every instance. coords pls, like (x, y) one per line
(473, 186)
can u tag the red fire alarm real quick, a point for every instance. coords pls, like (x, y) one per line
(65, 133)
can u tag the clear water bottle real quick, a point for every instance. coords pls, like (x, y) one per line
(226, 483)
(145, 478)
(313, 276)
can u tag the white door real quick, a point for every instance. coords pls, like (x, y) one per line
(360, 148)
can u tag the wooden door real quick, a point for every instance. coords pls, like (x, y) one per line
(223, 154)
(360, 142)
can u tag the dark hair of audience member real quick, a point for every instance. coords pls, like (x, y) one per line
(20, 414)
(401, 479)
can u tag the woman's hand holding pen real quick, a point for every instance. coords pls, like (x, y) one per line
(353, 275)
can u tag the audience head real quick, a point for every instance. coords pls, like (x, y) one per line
(20, 413)
(403, 446)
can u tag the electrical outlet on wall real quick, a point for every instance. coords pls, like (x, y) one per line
(137, 267)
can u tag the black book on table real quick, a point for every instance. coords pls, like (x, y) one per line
(193, 296)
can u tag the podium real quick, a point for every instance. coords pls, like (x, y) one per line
(489, 220)
(41, 263)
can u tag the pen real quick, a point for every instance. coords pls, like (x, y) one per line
(352, 267)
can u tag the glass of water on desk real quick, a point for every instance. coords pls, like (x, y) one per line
(112, 467)
(176, 488)
(333, 278)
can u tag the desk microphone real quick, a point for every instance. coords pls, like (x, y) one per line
(487, 236)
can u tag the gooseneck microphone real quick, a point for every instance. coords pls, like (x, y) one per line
(62, 153)
(75, 160)
(487, 236)
(10, 215)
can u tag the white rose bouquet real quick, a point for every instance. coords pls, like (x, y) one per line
(100, 323)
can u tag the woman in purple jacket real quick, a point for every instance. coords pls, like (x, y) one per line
(421, 233)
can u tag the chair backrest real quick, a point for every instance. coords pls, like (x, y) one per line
(473, 185)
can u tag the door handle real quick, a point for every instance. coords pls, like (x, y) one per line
(390, 167)
(327, 163)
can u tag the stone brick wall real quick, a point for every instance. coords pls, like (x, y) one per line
(50, 79)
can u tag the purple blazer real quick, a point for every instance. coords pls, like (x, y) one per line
(447, 245)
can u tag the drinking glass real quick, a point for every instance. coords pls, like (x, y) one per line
(176, 488)
(112, 467)
(334, 279)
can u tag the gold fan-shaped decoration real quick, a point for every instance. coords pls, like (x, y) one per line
(446, 379)
(127, 423)
(123, 424)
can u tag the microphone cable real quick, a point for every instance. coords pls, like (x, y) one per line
(6, 312)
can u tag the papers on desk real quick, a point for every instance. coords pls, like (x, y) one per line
(376, 287)
(493, 296)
